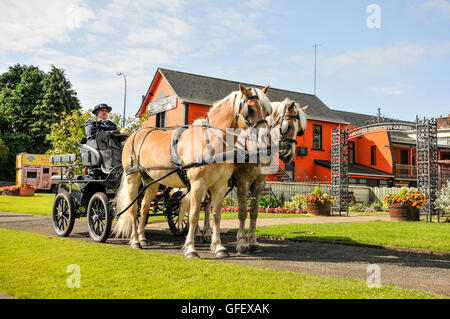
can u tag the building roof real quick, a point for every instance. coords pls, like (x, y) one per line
(205, 90)
(358, 169)
(354, 119)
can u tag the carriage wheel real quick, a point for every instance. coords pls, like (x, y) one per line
(179, 227)
(99, 217)
(63, 214)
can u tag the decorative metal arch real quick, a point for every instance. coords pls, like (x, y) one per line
(426, 158)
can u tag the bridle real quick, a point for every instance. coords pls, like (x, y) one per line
(283, 120)
(243, 106)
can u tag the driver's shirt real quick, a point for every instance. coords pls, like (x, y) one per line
(92, 126)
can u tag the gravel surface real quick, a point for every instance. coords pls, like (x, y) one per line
(404, 269)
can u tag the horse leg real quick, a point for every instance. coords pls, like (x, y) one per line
(207, 230)
(127, 192)
(197, 192)
(150, 194)
(217, 196)
(256, 194)
(241, 238)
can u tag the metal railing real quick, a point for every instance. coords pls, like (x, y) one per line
(405, 171)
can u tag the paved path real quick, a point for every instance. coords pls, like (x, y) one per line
(404, 269)
(227, 224)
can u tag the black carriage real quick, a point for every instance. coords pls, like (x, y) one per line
(90, 194)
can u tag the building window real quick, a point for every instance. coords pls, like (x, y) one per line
(160, 119)
(46, 170)
(31, 174)
(351, 152)
(373, 155)
(404, 157)
(186, 113)
(317, 137)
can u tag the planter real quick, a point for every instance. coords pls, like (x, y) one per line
(319, 209)
(401, 213)
(26, 192)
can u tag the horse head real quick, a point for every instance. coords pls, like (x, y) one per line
(287, 122)
(251, 111)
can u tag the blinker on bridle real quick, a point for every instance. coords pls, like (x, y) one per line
(284, 127)
(244, 106)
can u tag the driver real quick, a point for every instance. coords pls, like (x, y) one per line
(100, 123)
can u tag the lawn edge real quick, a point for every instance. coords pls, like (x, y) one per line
(441, 253)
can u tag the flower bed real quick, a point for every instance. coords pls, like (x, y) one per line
(18, 190)
(271, 210)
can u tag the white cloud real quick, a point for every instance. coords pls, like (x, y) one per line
(442, 6)
(366, 64)
(387, 90)
(29, 25)
(258, 49)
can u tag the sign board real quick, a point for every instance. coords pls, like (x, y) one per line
(382, 127)
(32, 159)
(163, 104)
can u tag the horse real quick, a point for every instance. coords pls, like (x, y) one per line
(287, 121)
(154, 161)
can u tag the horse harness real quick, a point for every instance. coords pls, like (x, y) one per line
(284, 127)
(179, 168)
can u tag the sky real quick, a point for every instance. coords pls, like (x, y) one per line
(393, 55)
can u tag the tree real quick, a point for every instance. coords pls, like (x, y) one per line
(4, 154)
(65, 135)
(58, 97)
(29, 98)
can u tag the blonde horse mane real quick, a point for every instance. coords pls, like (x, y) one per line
(278, 108)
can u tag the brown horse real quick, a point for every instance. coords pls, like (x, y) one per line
(286, 122)
(151, 149)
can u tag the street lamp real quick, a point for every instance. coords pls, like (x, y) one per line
(125, 96)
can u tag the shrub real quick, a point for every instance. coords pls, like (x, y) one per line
(356, 208)
(228, 201)
(297, 201)
(269, 201)
(443, 199)
(317, 191)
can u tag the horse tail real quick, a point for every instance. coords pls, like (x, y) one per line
(124, 225)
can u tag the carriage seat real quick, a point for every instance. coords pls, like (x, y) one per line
(90, 156)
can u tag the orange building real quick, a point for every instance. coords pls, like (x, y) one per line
(377, 159)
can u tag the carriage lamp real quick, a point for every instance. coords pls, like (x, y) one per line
(70, 174)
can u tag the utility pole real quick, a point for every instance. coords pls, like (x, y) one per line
(315, 68)
(124, 97)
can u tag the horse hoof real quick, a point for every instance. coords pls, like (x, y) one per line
(144, 243)
(192, 254)
(222, 254)
(242, 249)
(255, 249)
(136, 246)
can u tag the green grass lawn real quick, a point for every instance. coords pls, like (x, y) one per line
(39, 204)
(400, 234)
(42, 203)
(35, 266)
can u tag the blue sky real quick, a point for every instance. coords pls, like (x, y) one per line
(403, 66)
